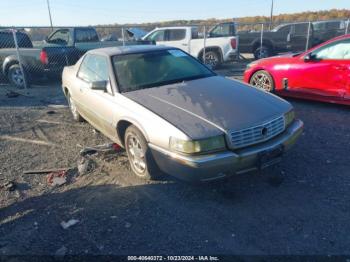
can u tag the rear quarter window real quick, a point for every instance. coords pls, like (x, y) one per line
(7, 41)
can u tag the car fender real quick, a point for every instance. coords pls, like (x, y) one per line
(8, 61)
(134, 122)
(257, 42)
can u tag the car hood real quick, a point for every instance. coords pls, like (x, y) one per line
(210, 106)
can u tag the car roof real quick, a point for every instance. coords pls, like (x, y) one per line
(132, 49)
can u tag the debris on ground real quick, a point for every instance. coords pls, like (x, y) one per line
(51, 112)
(50, 122)
(61, 252)
(57, 178)
(70, 223)
(85, 166)
(25, 140)
(9, 186)
(46, 171)
(104, 148)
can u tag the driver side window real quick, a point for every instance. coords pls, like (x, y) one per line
(157, 36)
(94, 68)
(339, 50)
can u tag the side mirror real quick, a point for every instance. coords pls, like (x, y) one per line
(311, 58)
(99, 85)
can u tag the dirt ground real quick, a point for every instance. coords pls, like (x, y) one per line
(301, 206)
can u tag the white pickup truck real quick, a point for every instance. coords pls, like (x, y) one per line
(218, 49)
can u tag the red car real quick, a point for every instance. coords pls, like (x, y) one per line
(321, 73)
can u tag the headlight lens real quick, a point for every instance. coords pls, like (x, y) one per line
(289, 117)
(197, 146)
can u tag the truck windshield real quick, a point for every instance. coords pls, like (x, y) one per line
(156, 68)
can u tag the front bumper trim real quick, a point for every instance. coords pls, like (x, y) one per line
(219, 165)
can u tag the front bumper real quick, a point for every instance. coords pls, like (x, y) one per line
(220, 165)
(231, 56)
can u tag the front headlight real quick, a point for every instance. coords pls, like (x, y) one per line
(197, 146)
(289, 117)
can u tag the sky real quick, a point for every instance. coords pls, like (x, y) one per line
(91, 12)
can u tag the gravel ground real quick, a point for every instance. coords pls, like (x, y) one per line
(299, 207)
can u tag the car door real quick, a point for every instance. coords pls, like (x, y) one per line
(298, 37)
(157, 36)
(327, 71)
(96, 105)
(178, 38)
(281, 38)
(60, 37)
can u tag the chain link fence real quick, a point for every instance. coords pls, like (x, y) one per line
(31, 53)
(266, 39)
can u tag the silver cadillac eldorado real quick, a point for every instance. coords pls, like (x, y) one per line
(173, 114)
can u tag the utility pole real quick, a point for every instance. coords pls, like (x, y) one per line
(271, 15)
(48, 8)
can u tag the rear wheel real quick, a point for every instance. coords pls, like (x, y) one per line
(140, 157)
(263, 80)
(16, 77)
(262, 52)
(212, 58)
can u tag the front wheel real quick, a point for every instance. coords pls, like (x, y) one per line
(140, 158)
(263, 80)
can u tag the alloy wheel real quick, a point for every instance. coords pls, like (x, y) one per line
(262, 81)
(137, 155)
(211, 59)
(17, 77)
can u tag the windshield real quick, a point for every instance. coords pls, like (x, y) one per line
(156, 68)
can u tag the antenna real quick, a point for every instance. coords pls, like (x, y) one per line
(48, 8)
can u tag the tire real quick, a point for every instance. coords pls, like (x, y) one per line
(212, 58)
(15, 76)
(262, 52)
(263, 80)
(74, 110)
(140, 157)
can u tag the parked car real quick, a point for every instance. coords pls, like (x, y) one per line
(173, 114)
(37, 60)
(289, 38)
(218, 49)
(47, 58)
(322, 73)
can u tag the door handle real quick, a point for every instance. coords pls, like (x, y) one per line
(185, 44)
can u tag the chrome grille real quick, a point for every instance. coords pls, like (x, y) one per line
(257, 134)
